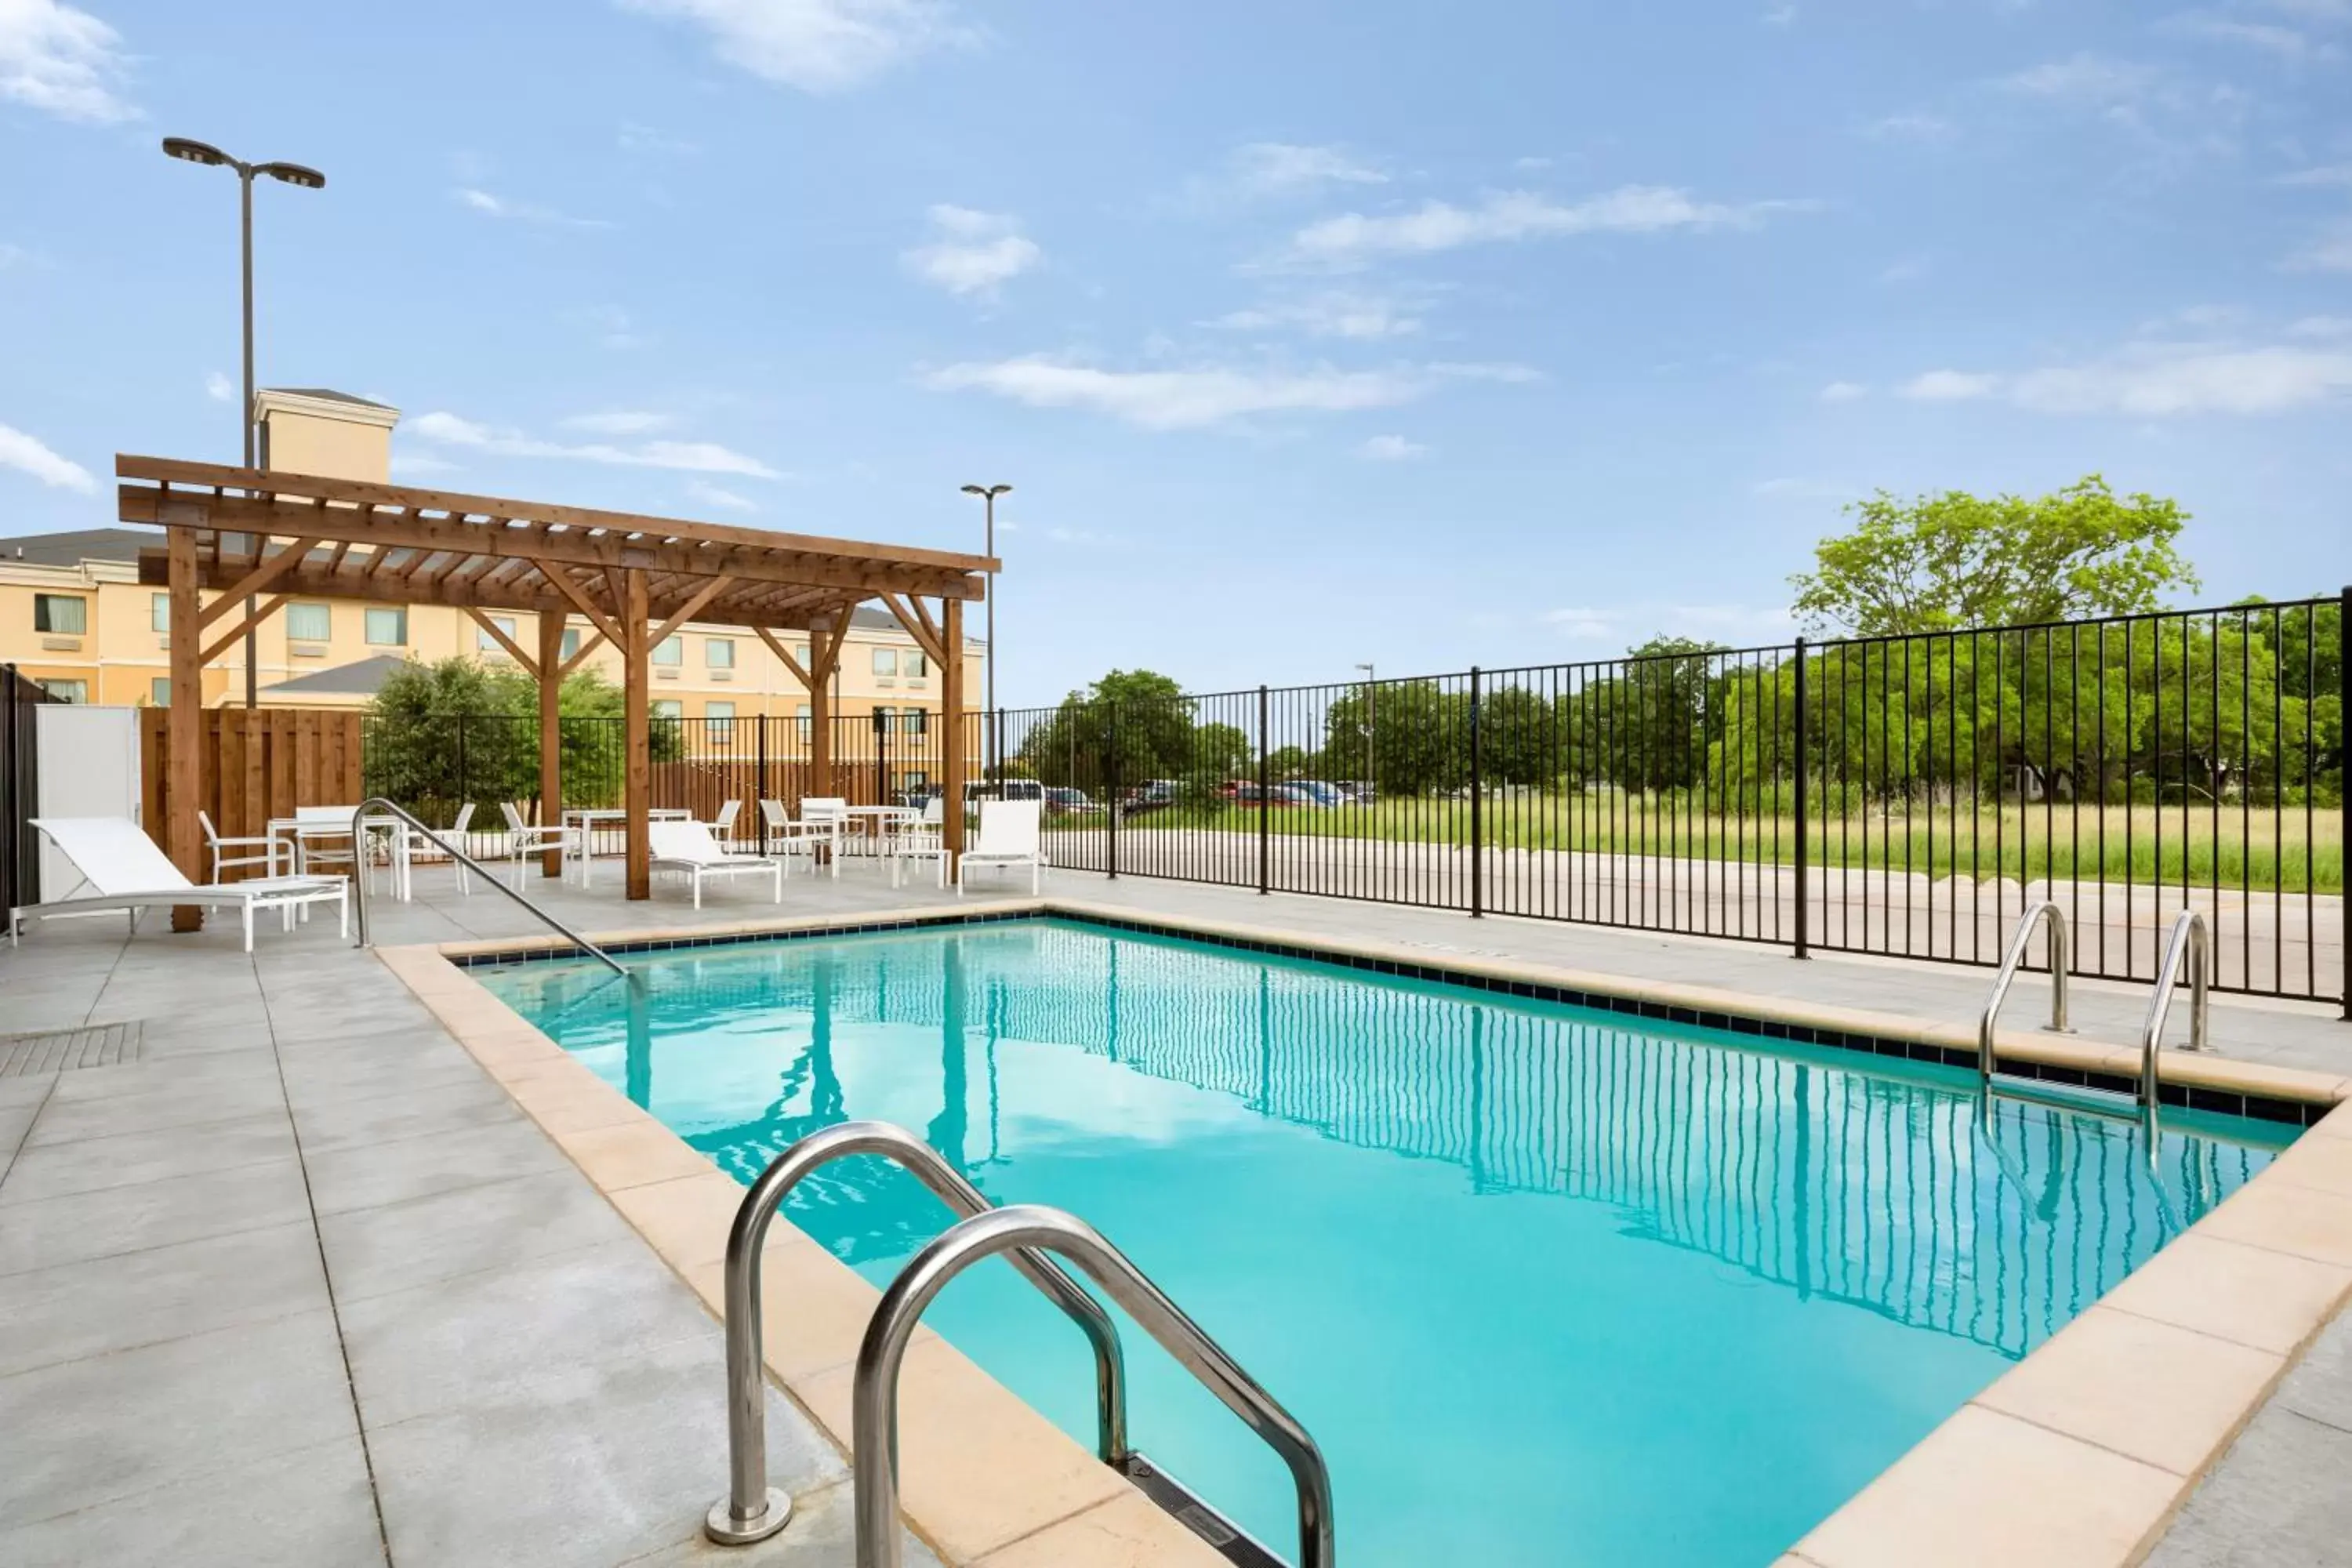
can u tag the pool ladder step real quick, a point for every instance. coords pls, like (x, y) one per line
(1030, 1237)
(2188, 951)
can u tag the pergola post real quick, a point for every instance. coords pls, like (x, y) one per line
(824, 648)
(952, 715)
(185, 721)
(551, 735)
(637, 789)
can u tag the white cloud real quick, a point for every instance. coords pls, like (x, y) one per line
(1951, 386)
(22, 452)
(973, 252)
(423, 464)
(62, 61)
(696, 456)
(1912, 127)
(1531, 164)
(1180, 399)
(1472, 370)
(2322, 327)
(2327, 174)
(1279, 168)
(2163, 381)
(2331, 252)
(1843, 392)
(1506, 216)
(2084, 80)
(621, 422)
(2286, 43)
(220, 388)
(498, 206)
(1779, 15)
(709, 494)
(636, 138)
(1392, 449)
(1331, 313)
(817, 45)
(1630, 623)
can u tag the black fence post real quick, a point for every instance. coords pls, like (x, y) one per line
(1265, 793)
(1799, 749)
(465, 791)
(2343, 757)
(1110, 789)
(1477, 808)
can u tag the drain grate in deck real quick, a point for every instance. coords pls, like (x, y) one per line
(62, 1050)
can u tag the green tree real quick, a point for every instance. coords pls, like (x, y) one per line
(442, 733)
(1938, 561)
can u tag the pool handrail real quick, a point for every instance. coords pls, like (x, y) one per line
(2191, 945)
(376, 805)
(1022, 1228)
(2061, 954)
(753, 1509)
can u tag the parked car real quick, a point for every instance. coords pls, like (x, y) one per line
(1322, 792)
(1063, 801)
(976, 791)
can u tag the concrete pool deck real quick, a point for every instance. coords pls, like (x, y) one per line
(301, 1283)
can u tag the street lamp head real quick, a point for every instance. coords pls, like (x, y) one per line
(295, 174)
(988, 491)
(194, 152)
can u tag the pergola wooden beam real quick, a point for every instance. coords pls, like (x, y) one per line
(635, 579)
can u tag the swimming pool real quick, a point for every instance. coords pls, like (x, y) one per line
(1547, 1285)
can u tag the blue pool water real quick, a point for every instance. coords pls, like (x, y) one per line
(1547, 1287)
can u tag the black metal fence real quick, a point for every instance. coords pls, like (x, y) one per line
(20, 789)
(1904, 796)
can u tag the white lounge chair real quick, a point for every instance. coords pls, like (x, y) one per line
(925, 839)
(126, 871)
(1008, 837)
(688, 846)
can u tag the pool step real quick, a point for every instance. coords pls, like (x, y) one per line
(1176, 1499)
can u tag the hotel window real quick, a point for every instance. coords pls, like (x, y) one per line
(668, 707)
(60, 615)
(912, 664)
(387, 628)
(718, 653)
(669, 650)
(159, 611)
(68, 690)
(719, 722)
(914, 721)
(886, 666)
(485, 643)
(309, 622)
(805, 721)
(571, 642)
(159, 692)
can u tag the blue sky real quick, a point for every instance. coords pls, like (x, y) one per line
(1309, 333)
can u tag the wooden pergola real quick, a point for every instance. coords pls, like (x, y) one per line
(248, 533)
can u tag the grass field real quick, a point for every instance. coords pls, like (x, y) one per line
(2259, 848)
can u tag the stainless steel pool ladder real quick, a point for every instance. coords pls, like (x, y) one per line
(752, 1510)
(2190, 946)
(379, 806)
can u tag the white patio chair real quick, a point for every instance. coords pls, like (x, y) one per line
(1008, 838)
(723, 826)
(925, 839)
(268, 858)
(687, 848)
(524, 840)
(125, 870)
(310, 851)
(782, 838)
(421, 848)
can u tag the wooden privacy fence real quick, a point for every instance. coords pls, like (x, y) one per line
(258, 764)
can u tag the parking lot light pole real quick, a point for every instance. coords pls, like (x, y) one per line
(310, 179)
(988, 494)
